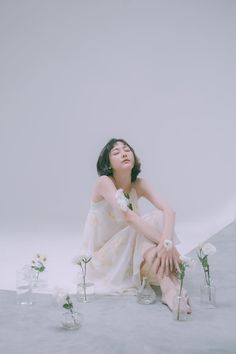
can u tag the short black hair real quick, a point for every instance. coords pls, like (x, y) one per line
(103, 162)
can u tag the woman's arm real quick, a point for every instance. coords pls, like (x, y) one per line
(106, 189)
(167, 259)
(146, 191)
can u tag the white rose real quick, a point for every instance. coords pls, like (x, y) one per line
(82, 258)
(187, 260)
(208, 249)
(86, 258)
(200, 245)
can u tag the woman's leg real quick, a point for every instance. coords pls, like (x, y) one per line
(169, 284)
(169, 289)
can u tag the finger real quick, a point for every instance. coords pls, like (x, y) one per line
(161, 267)
(171, 265)
(157, 264)
(167, 267)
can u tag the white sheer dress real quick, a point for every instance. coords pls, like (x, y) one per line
(116, 248)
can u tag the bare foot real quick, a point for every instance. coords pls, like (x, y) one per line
(170, 287)
(168, 299)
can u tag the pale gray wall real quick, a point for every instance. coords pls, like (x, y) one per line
(160, 74)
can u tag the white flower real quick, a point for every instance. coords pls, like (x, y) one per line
(208, 249)
(168, 244)
(82, 258)
(187, 261)
(59, 295)
(39, 259)
(122, 201)
(87, 258)
(200, 245)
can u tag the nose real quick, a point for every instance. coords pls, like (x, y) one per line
(124, 154)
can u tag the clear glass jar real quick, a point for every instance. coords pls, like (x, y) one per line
(40, 281)
(179, 308)
(85, 292)
(145, 294)
(71, 320)
(24, 286)
(208, 296)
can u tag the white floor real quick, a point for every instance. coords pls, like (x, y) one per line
(116, 324)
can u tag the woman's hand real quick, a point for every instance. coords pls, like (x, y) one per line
(167, 260)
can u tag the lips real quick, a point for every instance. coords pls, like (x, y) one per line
(126, 160)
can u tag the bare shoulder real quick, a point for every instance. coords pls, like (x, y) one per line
(101, 183)
(142, 186)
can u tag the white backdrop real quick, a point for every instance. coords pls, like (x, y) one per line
(160, 74)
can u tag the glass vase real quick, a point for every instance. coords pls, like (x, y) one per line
(208, 296)
(179, 308)
(85, 292)
(24, 286)
(145, 294)
(71, 320)
(40, 281)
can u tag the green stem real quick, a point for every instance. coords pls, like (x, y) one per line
(84, 289)
(179, 299)
(205, 274)
(209, 287)
(70, 307)
(208, 282)
(84, 281)
(72, 315)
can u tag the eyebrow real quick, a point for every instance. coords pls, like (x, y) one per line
(117, 148)
(114, 148)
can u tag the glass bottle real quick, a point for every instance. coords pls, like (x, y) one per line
(71, 320)
(208, 296)
(179, 308)
(145, 294)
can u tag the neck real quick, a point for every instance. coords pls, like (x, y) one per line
(122, 181)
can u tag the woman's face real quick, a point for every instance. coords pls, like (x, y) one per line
(121, 157)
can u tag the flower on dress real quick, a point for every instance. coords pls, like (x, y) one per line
(123, 201)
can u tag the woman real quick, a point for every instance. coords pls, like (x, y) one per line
(124, 245)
